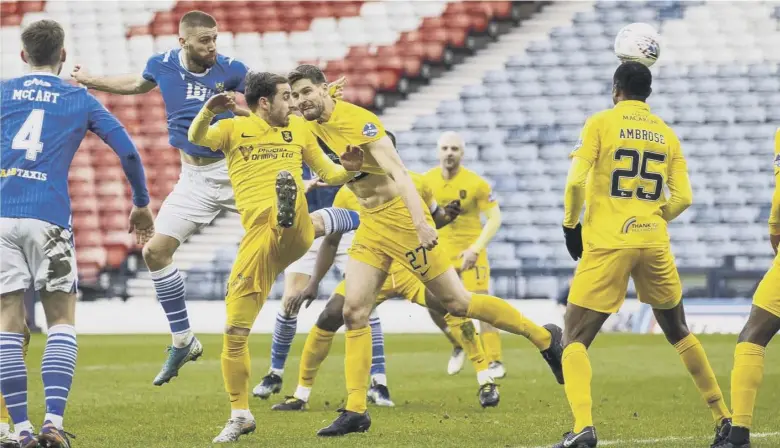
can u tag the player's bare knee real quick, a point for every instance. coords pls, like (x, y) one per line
(355, 315)
(457, 307)
(12, 312)
(156, 256)
(319, 225)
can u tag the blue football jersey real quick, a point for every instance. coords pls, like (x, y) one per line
(184, 93)
(44, 119)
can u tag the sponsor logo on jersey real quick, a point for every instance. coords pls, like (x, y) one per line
(36, 82)
(197, 91)
(370, 130)
(25, 174)
(631, 225)
(462, 194)
(246, 151)
(287, 136)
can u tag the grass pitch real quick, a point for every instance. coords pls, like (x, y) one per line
(642, 396)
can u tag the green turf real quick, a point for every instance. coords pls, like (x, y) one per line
(640, 388)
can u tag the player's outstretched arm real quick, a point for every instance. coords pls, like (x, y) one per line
(681, 194)
(489, 230)
(325, 169)
(388, 159)
(111, 131)
(121, 84)
(201, 131)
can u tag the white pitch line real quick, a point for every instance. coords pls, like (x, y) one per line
(629, 442)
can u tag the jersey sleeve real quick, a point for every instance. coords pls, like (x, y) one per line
(681, 194)
(485, 197)
(215, 137)
(151, 69)
(364, 127)
(588, 145)
(238, 71)
(101, 121)
(774, 213)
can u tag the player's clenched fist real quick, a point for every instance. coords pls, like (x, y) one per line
(427, 235)
(352, 159)
(452, 210)
(79, 74)
(221, 102)
(142, 223)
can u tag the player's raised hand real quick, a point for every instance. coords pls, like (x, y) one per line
(452, 210)
(469, 258)
(775, 240)
(352, 159)
(221, 102)
(336, 88)
(79, 74)
(142, 223)
(427, 236)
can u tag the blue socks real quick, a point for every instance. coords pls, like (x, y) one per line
(378, 374)
(13, 379)
(57, 370)
(169, 286)
(284, 332)
(338, 220)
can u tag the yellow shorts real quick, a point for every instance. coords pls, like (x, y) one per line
(476, 279)
(386, 234)
(767, 296)
(601, 279)
(400, 283)
(265, 251)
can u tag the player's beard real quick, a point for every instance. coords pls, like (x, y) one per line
(312, 111)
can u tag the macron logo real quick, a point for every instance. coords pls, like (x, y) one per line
(370, 130)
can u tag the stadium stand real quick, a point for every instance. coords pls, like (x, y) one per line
(717, 83)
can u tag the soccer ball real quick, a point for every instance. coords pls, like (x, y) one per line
(638, 42)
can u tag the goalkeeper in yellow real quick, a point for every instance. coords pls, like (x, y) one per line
(466, 239)
(626, 156)
(763, 323)
(264, 153)
(395, 226)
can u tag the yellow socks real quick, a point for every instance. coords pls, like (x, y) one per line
(315, 350)
(502, 315)
(357, 364)
(491, 341)
(236, 369)
(695, 360)
(745, 380)
(578, 374)
(463, 331)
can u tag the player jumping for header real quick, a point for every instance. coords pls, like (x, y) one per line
(626, 156)
(187, 77)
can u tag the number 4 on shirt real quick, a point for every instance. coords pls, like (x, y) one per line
(29, 136)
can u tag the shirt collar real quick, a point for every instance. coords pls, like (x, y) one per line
(633, 104)
(42, 74)
(259, 122)
(184, 66)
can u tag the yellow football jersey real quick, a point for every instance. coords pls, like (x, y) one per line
(774, 215)
(634, 155)
(345, 198)
(351, 125)
(475, 196)
(256, 152)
